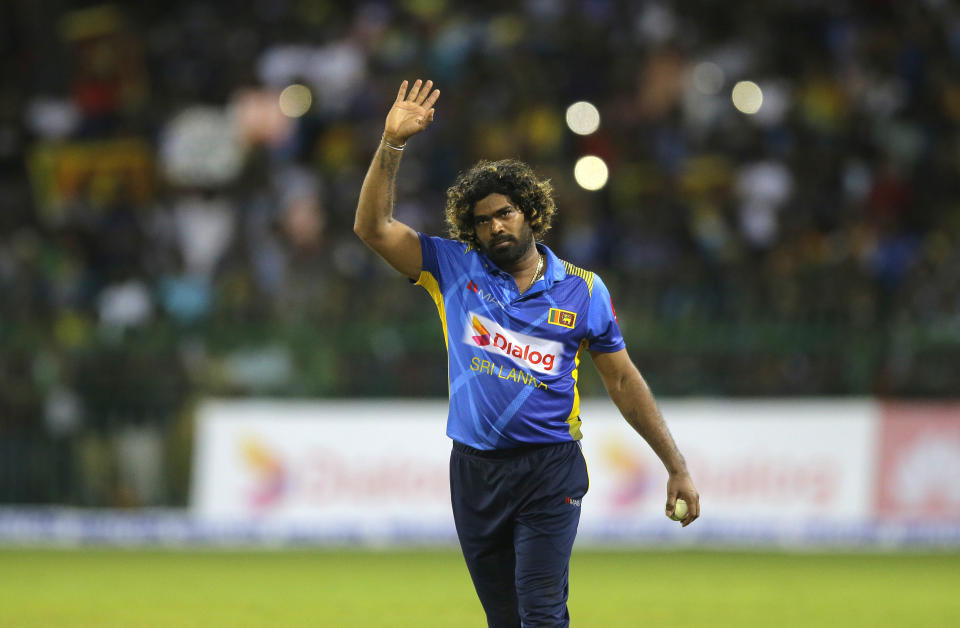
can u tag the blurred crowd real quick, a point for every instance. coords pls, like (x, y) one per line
(172, 226)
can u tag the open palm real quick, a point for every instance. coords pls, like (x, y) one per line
(411, 112)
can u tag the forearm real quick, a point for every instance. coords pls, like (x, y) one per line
(635, 401)
(375, 207)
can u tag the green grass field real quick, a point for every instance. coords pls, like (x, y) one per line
(369, 589)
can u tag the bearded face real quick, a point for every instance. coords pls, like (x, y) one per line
(502, 230)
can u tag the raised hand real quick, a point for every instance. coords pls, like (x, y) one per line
(411, 112)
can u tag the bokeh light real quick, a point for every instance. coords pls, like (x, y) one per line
(583, 118)
(591, 172)
(295, 100)
(747, 97)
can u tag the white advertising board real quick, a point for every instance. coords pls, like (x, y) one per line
(764, 465)
(371, 470)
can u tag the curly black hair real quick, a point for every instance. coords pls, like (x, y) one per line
(510, 177)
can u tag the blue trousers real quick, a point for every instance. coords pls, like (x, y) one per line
(516, 512)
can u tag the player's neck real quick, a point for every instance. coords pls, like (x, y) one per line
(528, 268)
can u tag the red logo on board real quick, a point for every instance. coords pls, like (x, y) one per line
(919, 462)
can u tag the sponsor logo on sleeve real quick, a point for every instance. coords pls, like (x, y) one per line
(530, 352)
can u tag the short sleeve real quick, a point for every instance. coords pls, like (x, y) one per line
(439, 257)
(428, 251)
(603, 330)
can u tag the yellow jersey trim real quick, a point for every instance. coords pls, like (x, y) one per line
(428, 282)
(574, 419)
(586, 275)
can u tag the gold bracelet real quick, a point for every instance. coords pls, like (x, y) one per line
(383, 139)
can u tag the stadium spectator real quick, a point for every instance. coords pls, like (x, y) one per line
(807, 249)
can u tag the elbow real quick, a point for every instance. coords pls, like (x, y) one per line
(358, 230)
(625, 383)
(363, 231)
(370, 229)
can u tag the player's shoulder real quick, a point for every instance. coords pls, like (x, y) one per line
(446, 244)
(576, 273)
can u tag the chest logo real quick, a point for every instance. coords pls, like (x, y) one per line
(563, 318)
(483, 336)
(539, 355)
(483, 294)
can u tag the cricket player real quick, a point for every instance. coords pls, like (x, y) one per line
(516, 320)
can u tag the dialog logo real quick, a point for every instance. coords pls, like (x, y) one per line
(267, 469)
(632, 478)
(483, 336)
(530, 352)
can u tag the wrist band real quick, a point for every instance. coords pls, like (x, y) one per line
(389, 145)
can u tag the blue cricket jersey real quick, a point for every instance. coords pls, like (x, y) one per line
(512, 358)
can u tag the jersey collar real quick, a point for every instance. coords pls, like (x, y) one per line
(554, 271)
